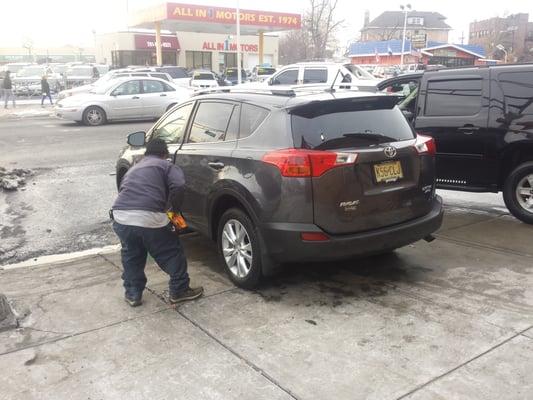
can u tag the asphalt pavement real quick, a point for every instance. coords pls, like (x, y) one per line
(63, 207)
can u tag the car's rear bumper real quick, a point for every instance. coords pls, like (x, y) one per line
(284, 244)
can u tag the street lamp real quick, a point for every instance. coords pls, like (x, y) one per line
(500, 47)
(405, 10)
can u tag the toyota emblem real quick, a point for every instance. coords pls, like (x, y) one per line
(390, 151)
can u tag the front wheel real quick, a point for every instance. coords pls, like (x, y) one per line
(94, 116)
(240, 249)
(518, 192)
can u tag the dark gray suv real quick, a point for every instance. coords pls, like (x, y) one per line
(284, 176)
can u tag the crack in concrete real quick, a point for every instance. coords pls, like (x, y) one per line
(419, 387)
(476, 245)
(35, 345)
(239, 356)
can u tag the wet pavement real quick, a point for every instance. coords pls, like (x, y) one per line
(450, 319)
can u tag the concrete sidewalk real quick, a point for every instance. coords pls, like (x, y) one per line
(451, 319)
(26, 109)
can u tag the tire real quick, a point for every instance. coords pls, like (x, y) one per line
(518, 192)
(94, 116)
(245, 270)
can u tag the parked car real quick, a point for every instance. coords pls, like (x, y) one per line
(179, 75)
(28, 80)
(297, 177)
(203, 79)
(118, 73)
(321, 73)
(261, 74)
(122, 99)
(482, 121)
(14, 68)
(231, 75)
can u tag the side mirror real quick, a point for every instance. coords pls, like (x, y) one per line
(271, 81)
(137, 139)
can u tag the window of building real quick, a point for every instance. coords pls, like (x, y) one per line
(517, 89)
(198, 59)
(456, 97)
(210, 122)
(415, 21)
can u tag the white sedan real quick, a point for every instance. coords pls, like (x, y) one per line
(122, 99)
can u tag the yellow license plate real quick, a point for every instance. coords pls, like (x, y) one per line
(388, 171)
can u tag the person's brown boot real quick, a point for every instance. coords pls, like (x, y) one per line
(187, 295)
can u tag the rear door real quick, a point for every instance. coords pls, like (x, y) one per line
(206, 155)
(126, 102)
(315, 75)
(453, 109)
(389, 182)
(155, 98)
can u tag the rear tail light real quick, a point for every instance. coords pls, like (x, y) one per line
(314, 236)
(303, 163)
(425, 145)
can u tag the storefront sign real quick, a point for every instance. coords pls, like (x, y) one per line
(188, 12)
(226, 46)
(147, 42)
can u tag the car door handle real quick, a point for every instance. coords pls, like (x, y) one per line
(135, 97)
(163, 95)
(468, 130)
(216, 165)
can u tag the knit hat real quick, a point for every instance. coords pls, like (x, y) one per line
(156, 147)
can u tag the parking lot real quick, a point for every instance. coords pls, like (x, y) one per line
(451, 319)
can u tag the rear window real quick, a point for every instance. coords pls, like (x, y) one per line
(251, 118)
(459, 97)
(337, 126)
(518, 91)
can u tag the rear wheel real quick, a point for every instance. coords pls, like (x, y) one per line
(94, 116)
(240, 249)
(518, 192)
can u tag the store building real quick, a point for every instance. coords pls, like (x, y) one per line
(389, 52)
(197, 36)
(189, 49)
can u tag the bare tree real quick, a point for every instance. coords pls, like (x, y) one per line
(316, 38)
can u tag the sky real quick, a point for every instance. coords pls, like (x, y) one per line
(53, 23)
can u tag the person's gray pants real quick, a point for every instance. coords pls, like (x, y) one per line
(8, 94)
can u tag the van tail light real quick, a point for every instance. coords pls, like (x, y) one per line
(301, 163)
(425, 145)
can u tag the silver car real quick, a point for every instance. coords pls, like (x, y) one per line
(122, 99)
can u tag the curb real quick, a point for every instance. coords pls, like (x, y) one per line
(61, 258)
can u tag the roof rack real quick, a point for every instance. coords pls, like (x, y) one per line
(287, 92)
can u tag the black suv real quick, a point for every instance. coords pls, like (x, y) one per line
(482, 121)
(283, 177)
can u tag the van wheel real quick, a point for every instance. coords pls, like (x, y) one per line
(518, 192)
(94, 116)
(239, 247)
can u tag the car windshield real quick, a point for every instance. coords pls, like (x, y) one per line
(175, 73)
(359, 72)
(233, 72)
(104, 88)
(80, 71)
(266, 71)
(31, 71)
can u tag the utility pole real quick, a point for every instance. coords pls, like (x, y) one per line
(405, 10)
(238, 16)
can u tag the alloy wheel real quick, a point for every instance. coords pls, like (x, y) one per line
(237, 248)
(94, 116)
(524, 193)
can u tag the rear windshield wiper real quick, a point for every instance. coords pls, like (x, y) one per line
(375, 137)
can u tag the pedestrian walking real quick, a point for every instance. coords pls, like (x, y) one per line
(143, 227)
(45, 90)
(8, 89)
